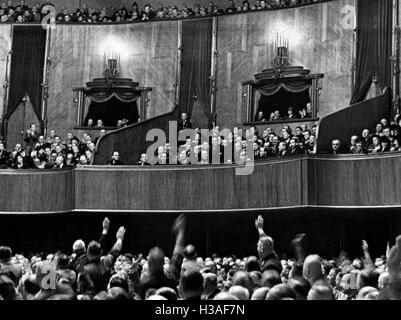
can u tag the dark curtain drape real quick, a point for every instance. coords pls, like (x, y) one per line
(294, 86)
(196, 65)
(373, 46)
(123, 96)
(27, 62)
(111, 111)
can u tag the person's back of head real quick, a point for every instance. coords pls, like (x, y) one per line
(241, 278)
(79, 246)
(117, 293)
(240, 292)
(252, 264)
(267, 245)
(320, 292)
(191, 285)
(256, 279)
(190, 252)
(156, 297)
(118, 281)
(156, 260)
(63, 261)
(167, 292)
(271, 278)
(301, 287)
(260, 293)
(367, 278)
(225, 296)
(312, 268)
(210, 282)
(5, 254)
(281, 292)
(94, 251)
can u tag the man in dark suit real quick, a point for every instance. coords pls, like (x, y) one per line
(290, 114)
(99, 268)
(115, 160)
(269, 260)
(31, 136)
(143, 161)
(184, 123)
(4, 156)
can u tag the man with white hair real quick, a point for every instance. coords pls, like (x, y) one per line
(80, 258)
(268, 257)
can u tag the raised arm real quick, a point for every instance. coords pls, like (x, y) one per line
(105, 230)
(367, 260)
(299, 254)
(394, 269)
(179, 227)
(115, 251)
(259, 224)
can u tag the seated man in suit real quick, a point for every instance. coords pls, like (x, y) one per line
(4, 156)
(335, 145)
(290, 114)
(143, 161)
(184, 123)
(115, 160)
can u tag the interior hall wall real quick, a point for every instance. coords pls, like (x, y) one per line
(5, 46)
(322, 44)
(150, 51)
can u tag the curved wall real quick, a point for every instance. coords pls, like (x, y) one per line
(318, 41)
(299, 182)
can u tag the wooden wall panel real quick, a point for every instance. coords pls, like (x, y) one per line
(307, 181)
(355, 181)
(271, 185)
(77, 58)
(36, 191)
(324, 47)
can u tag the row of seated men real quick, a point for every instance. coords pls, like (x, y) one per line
(385, 137)
(235, 147)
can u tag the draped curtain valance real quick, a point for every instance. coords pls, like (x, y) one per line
(104, 96)
(293, 86)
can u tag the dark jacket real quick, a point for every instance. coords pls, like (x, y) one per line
(271, 262)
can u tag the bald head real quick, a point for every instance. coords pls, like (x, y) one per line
(320, 292)
(312, 269)
(260, 294)
(225, 296)
(239, 292)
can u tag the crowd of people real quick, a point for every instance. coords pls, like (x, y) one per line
(219, 147)
(20, 12)
(91, 272)
(385, 137)
(236, 146)
(292, 114)
(50, 151)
